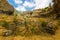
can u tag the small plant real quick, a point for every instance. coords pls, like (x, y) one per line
(26, 25)
(58, 22)
(5, 24)
(43, 24)
(35, 30)
(48, 27)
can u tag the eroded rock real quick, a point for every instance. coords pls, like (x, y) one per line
(6, 8)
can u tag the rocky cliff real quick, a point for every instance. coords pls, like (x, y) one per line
(51, 11)
(5, 7)
(57, 6)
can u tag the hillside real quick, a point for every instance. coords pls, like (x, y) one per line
(6, 8)
(40, 24)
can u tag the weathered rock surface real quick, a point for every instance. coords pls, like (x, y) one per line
(5, 7)
(57, 5)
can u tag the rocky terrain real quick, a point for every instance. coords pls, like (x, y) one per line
(5, 7)
(40, 24)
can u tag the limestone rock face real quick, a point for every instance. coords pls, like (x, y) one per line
(5, 7)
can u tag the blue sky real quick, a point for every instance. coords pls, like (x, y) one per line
(25, 5)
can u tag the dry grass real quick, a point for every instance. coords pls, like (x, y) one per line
(32, 37)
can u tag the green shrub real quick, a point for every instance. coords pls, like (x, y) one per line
(43, 24)
(32, 29)
(48, 28)
(58, 22)
(5, 24)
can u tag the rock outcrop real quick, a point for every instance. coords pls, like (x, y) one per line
(51, 11)
(6, 8)
(57, 5)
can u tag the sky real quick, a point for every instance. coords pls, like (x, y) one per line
(26, 5)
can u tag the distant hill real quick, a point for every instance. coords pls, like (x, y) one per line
(38, 12)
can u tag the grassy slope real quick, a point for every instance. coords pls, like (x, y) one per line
(33, 37)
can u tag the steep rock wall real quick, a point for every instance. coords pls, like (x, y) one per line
(5, 7)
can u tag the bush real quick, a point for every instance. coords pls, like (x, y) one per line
(5, 24)
(48, 28)
(43, 24)
(11, 27)
(58, 22)
(35, 30)
(8, 27)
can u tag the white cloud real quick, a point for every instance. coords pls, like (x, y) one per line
(20, 8)
(29, 4)
(18, 1)
(38, 4)
(42, 3)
